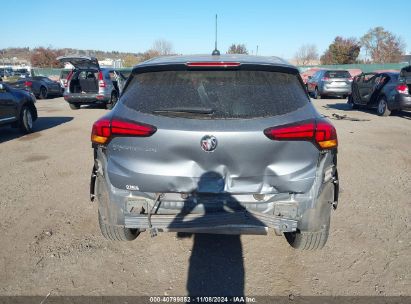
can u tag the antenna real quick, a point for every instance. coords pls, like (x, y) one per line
(216, 52)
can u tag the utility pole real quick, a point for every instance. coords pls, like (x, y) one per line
(256, 52)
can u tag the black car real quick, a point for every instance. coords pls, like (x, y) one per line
(41, 86)
(17, 108)
(385, 91)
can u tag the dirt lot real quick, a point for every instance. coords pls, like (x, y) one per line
(50, 240)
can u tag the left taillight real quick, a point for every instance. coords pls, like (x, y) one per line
(402, 89)
(28, 84)
(320, 132)
(104, 129)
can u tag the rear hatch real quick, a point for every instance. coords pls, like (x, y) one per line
(209, 132)
(337, 79)
(80, 62)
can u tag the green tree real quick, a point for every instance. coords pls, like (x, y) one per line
(237, 49)
(382, 45)
(341, 51)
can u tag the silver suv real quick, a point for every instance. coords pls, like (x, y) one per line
(330, 83)
(88, 83)
(215, 144)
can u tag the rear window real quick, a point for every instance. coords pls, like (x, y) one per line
(406, 72)
(228, 94)
(337, 74)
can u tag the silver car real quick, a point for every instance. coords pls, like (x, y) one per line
(88, 83)
(215, 144)
(330, 83)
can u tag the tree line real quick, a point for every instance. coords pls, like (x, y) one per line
(380, 46)
(45, 57)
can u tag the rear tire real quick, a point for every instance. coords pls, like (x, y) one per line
(26, 120)
(113, 100)
(382, 109)
(308, 240)
(117, 233)
(43, 93)
(74, 106)
(353, 105)
(317, 94)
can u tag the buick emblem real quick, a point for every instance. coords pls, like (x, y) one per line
(208, 143)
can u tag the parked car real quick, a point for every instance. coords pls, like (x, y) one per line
(307, 74)
(64, 73)
(4, 73)
(88, 83)
(22, 73)
(41, 86)
(330, 83)
(17, 108)
(216, 144)
(386, 91)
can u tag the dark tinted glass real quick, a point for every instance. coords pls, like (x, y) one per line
(229, 94)
(337, 74)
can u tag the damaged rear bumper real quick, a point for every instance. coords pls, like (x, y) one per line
(224, 212)
(240, 220)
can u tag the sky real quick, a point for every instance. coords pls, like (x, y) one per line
(279, 28)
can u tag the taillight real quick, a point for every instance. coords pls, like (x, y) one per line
(104, 129)
(320, 132)
(28, 84)
(350, 79)
(325, 79)
(402, 89)
(101, 82)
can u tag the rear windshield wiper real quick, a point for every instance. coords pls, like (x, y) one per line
(205, 111)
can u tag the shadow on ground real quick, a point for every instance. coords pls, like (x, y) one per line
(402, 114)
(216, 264)
(42, 123)
(347, 107)
(339, 106)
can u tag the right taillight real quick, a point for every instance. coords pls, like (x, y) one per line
(101, 82)
(104, 129)
(321, 132)
(402, 88)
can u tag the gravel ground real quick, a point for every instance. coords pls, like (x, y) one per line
(50, 240)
